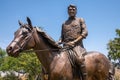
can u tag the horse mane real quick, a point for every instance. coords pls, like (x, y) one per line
(48, 40)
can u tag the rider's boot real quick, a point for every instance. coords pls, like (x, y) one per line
(84, 72)
(83, 68)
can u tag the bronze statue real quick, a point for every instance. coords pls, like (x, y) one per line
(54, 59)
(73, 32)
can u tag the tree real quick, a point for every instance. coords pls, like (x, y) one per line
(114, 47)
(30, 64)
(2, 55)
(25, 63)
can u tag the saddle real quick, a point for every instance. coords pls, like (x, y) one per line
(75, 67)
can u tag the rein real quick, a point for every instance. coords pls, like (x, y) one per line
(43, 50)
(61, 49)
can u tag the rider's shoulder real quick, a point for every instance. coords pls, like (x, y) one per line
(66, 21)
(81, 19)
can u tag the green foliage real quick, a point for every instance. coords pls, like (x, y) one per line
(29, 63)
(26, 62)
(2, 53)
(114, 47)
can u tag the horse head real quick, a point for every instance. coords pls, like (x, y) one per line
(23, 39)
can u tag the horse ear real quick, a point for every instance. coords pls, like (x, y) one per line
(20, 23)
(29, 22)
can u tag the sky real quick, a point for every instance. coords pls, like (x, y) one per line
(102, 18)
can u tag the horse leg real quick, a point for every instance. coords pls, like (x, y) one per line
(89, 78)
(44, 74)
(60, 76)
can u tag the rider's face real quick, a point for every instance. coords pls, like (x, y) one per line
(72, 11)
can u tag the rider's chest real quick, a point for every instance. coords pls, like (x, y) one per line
(73, 26)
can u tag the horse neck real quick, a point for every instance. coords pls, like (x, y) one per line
(44, 55)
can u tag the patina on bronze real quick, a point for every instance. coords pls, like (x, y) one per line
(54, 59)
(73, 32)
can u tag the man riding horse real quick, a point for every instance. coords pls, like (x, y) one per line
(73, 32)
(57, 64)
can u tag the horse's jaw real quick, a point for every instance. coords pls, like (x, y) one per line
(13, 53)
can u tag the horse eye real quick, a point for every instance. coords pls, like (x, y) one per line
(24, 33)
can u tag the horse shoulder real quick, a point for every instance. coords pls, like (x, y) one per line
(61, 66)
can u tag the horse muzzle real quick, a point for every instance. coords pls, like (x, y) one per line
(13, 52)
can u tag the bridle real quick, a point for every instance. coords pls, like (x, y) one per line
(27, 40)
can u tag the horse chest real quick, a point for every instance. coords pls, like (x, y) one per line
(60, 68)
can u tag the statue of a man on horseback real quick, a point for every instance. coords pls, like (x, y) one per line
(73, 32)
(68, 63)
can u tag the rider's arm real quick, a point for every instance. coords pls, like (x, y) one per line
(78, 39)
(84, 32)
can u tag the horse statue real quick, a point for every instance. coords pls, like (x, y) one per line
(53, 58)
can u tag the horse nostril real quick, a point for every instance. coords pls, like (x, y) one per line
(9, 49)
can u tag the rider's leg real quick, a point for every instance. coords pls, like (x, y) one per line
(80, 59)
(83, 68)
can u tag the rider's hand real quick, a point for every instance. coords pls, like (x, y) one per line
(71, 44)
(59, 42)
